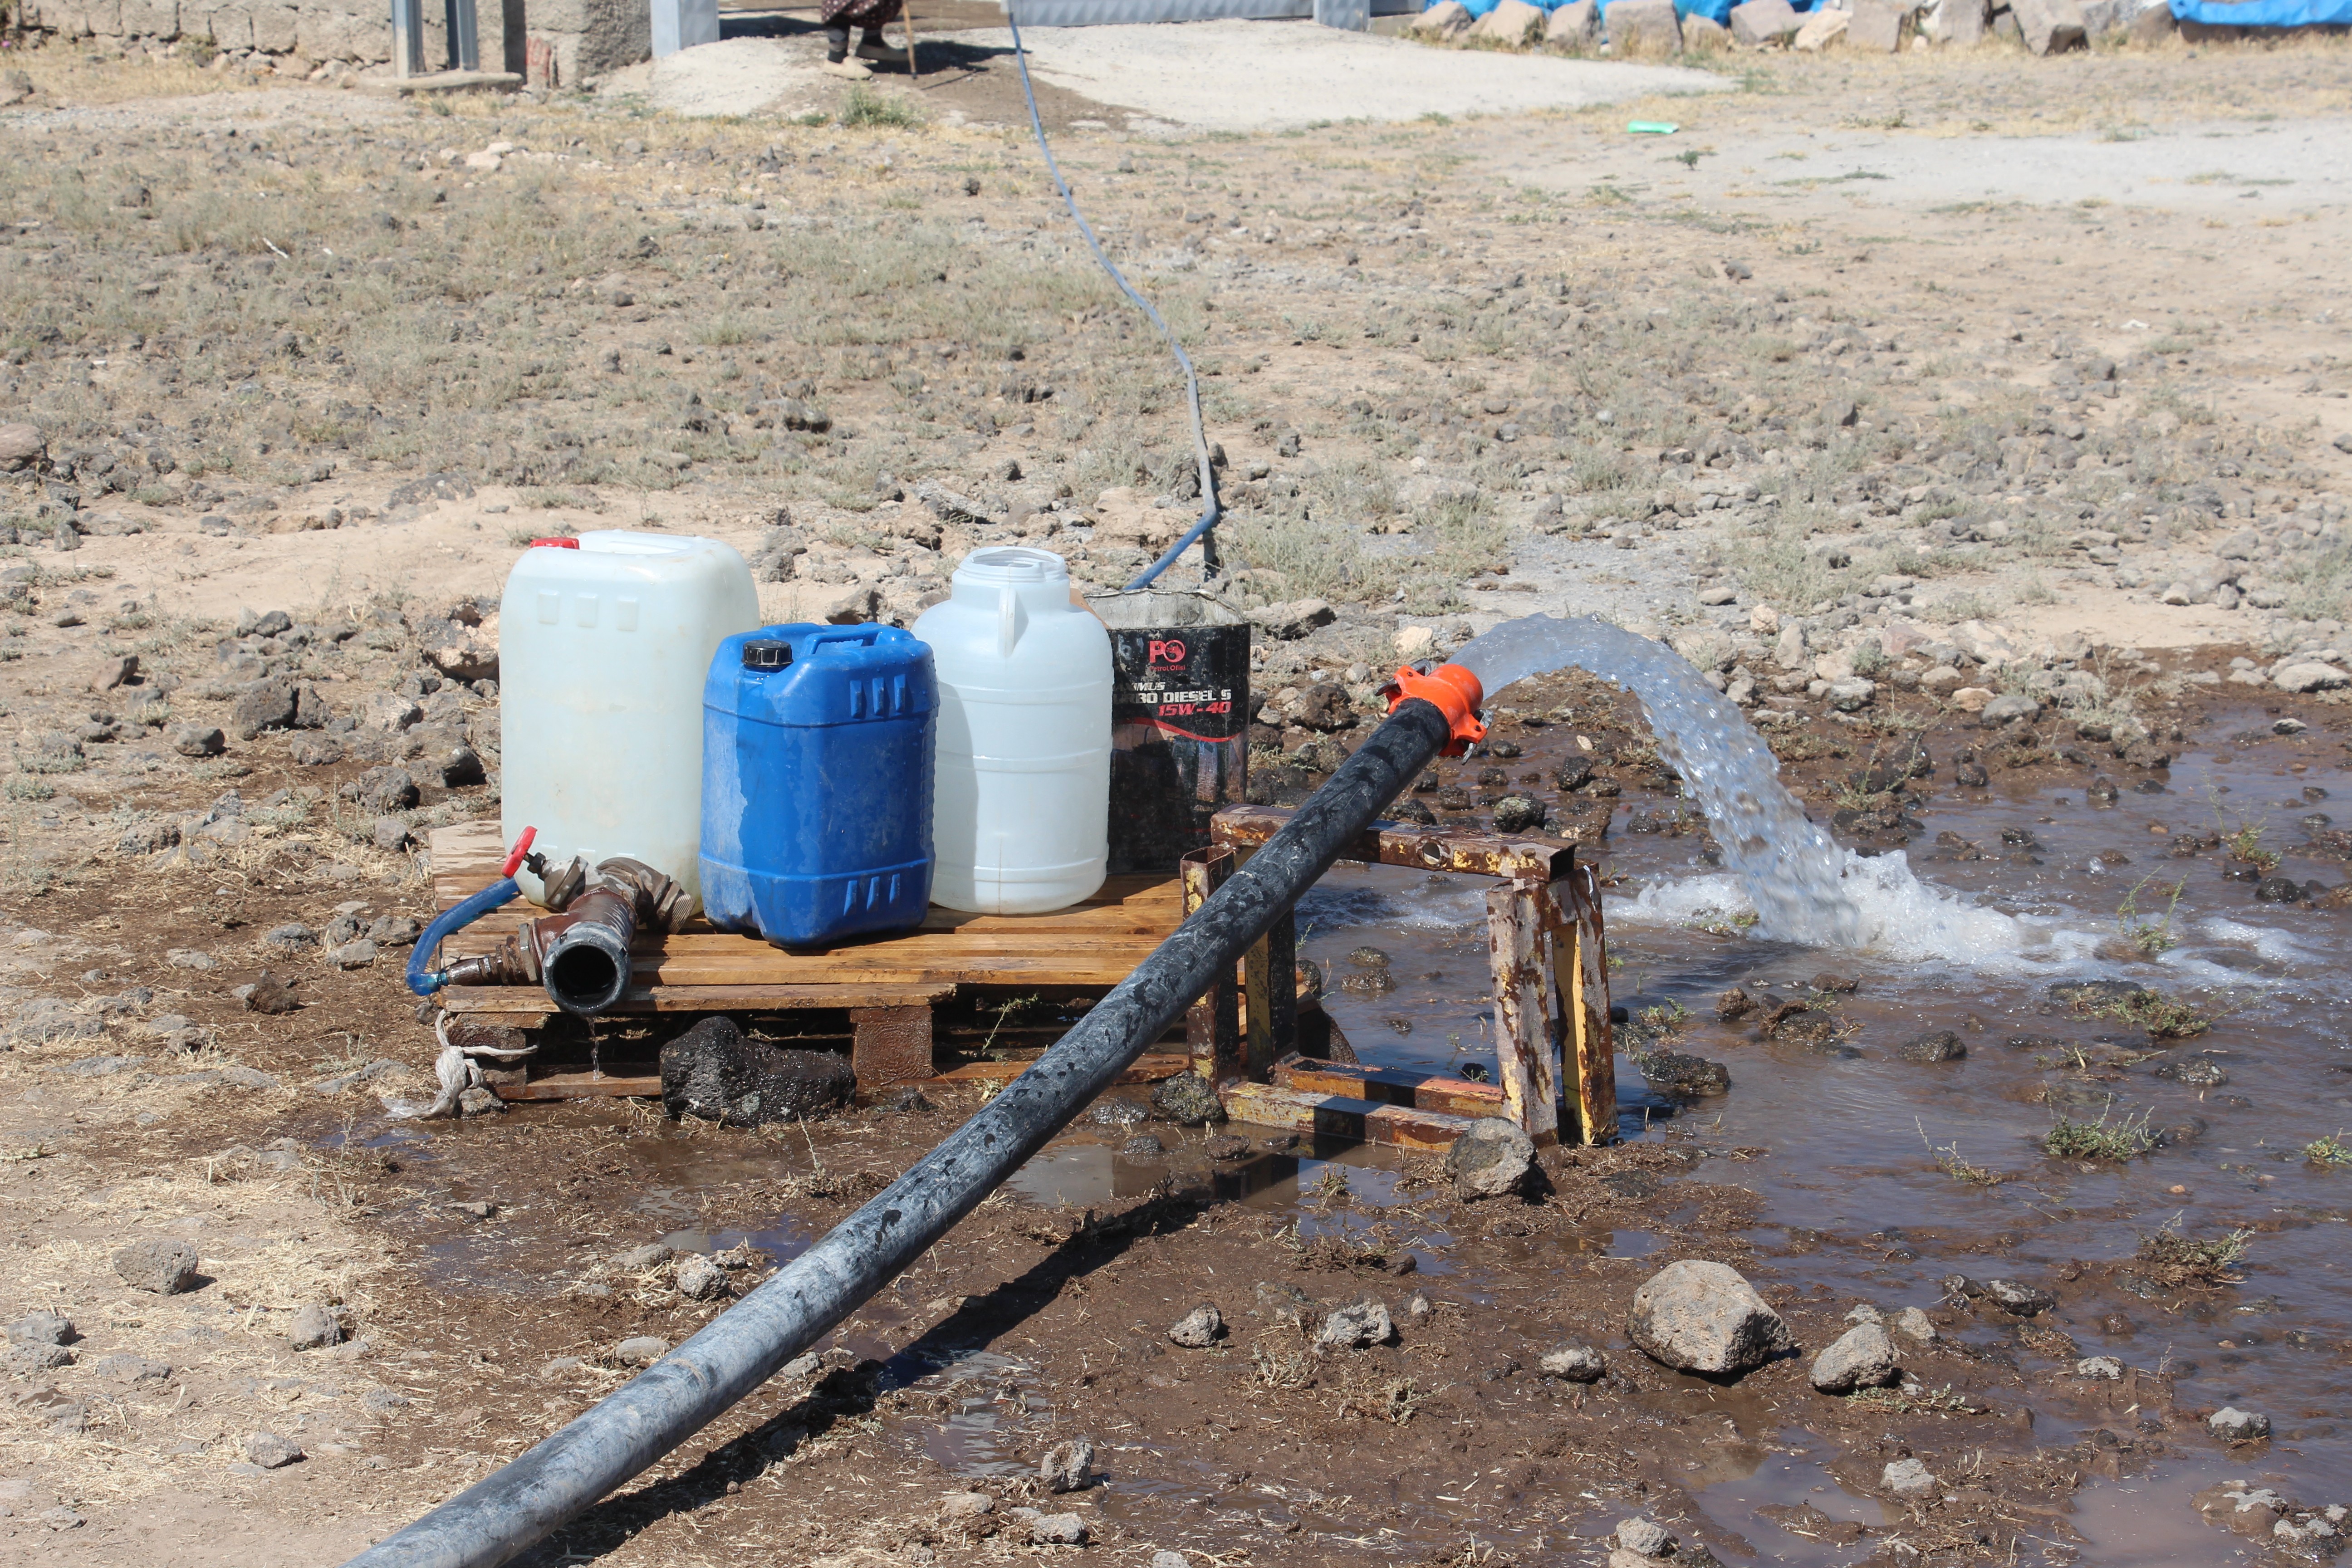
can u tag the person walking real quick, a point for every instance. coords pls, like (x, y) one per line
(839, 17)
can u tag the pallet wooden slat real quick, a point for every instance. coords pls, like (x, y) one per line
(468, 856)
(1525, 857)
(1151, 1067)
(1342, 1116)
(1094, 945)
(530, 1000)
(889, 985)
(1391, 1086)
(582, 1086)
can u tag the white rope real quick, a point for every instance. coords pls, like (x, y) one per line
(495, 1053)
(456, 1075)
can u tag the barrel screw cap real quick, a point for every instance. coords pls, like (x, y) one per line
(765, 653)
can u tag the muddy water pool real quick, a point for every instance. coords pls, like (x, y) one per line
(1858, 1196)
(1882, 1176)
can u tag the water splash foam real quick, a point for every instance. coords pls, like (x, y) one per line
(1898, 916)
(1802, 887)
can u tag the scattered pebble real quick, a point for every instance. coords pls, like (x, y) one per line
(2234, 1425)
(1862, 1357)
(41, 1328)
(1645, 1538)
(166, 1268)
(1574, 1363)
(1908, 1479)
(1198, 1328)
(314, 1328)
(1352, 1327)
(699, 1279)
(271, 1450)
(1068, 1466)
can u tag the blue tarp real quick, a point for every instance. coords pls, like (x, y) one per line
(1719, 11)
(2266, 13)
(1716, 11)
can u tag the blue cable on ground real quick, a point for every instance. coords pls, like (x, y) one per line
(1211, 511)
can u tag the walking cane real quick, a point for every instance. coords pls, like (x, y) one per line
(907, 22)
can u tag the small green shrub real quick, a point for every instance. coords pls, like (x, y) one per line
(865, 109)
(2124, 1140)
(2330, 1152)
(2173, 1260)
(2163, 1017)
(2150, 936)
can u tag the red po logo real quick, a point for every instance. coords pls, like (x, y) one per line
(1169, 651)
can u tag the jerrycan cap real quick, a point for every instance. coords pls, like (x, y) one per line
(998, 564)
(766, 653)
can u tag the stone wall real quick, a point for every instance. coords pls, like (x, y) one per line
(591, 38)
(586, 38)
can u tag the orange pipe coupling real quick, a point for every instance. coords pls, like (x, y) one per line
(1453, 691)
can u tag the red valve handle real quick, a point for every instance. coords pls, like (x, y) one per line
(521, 848)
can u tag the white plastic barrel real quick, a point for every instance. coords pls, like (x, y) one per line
(1021, 792)
(603, 648)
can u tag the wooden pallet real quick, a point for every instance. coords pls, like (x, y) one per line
(1148, 1069)
(887, 985)
(1549, 966)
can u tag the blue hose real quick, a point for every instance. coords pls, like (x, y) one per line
(1211, 511)
(449, 921)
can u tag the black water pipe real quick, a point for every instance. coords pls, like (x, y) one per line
(537, 1492)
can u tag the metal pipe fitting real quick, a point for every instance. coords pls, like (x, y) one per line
(580, 953)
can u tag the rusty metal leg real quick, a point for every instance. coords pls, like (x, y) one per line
(888, 1047)
(1213, 1032)
(1273, 986)
(1515, 944)
(1581, 967)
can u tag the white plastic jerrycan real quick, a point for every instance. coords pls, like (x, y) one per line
(604, 642)
(1021, 797)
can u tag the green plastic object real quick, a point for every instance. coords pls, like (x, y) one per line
(1651, 128)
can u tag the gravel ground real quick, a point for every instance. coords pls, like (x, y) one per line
(1816, 429)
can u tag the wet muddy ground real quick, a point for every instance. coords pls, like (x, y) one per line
(1835, 1171)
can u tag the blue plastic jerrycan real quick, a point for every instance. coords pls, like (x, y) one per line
(816, 783)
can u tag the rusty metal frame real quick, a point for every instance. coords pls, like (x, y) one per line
(1546, 951)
